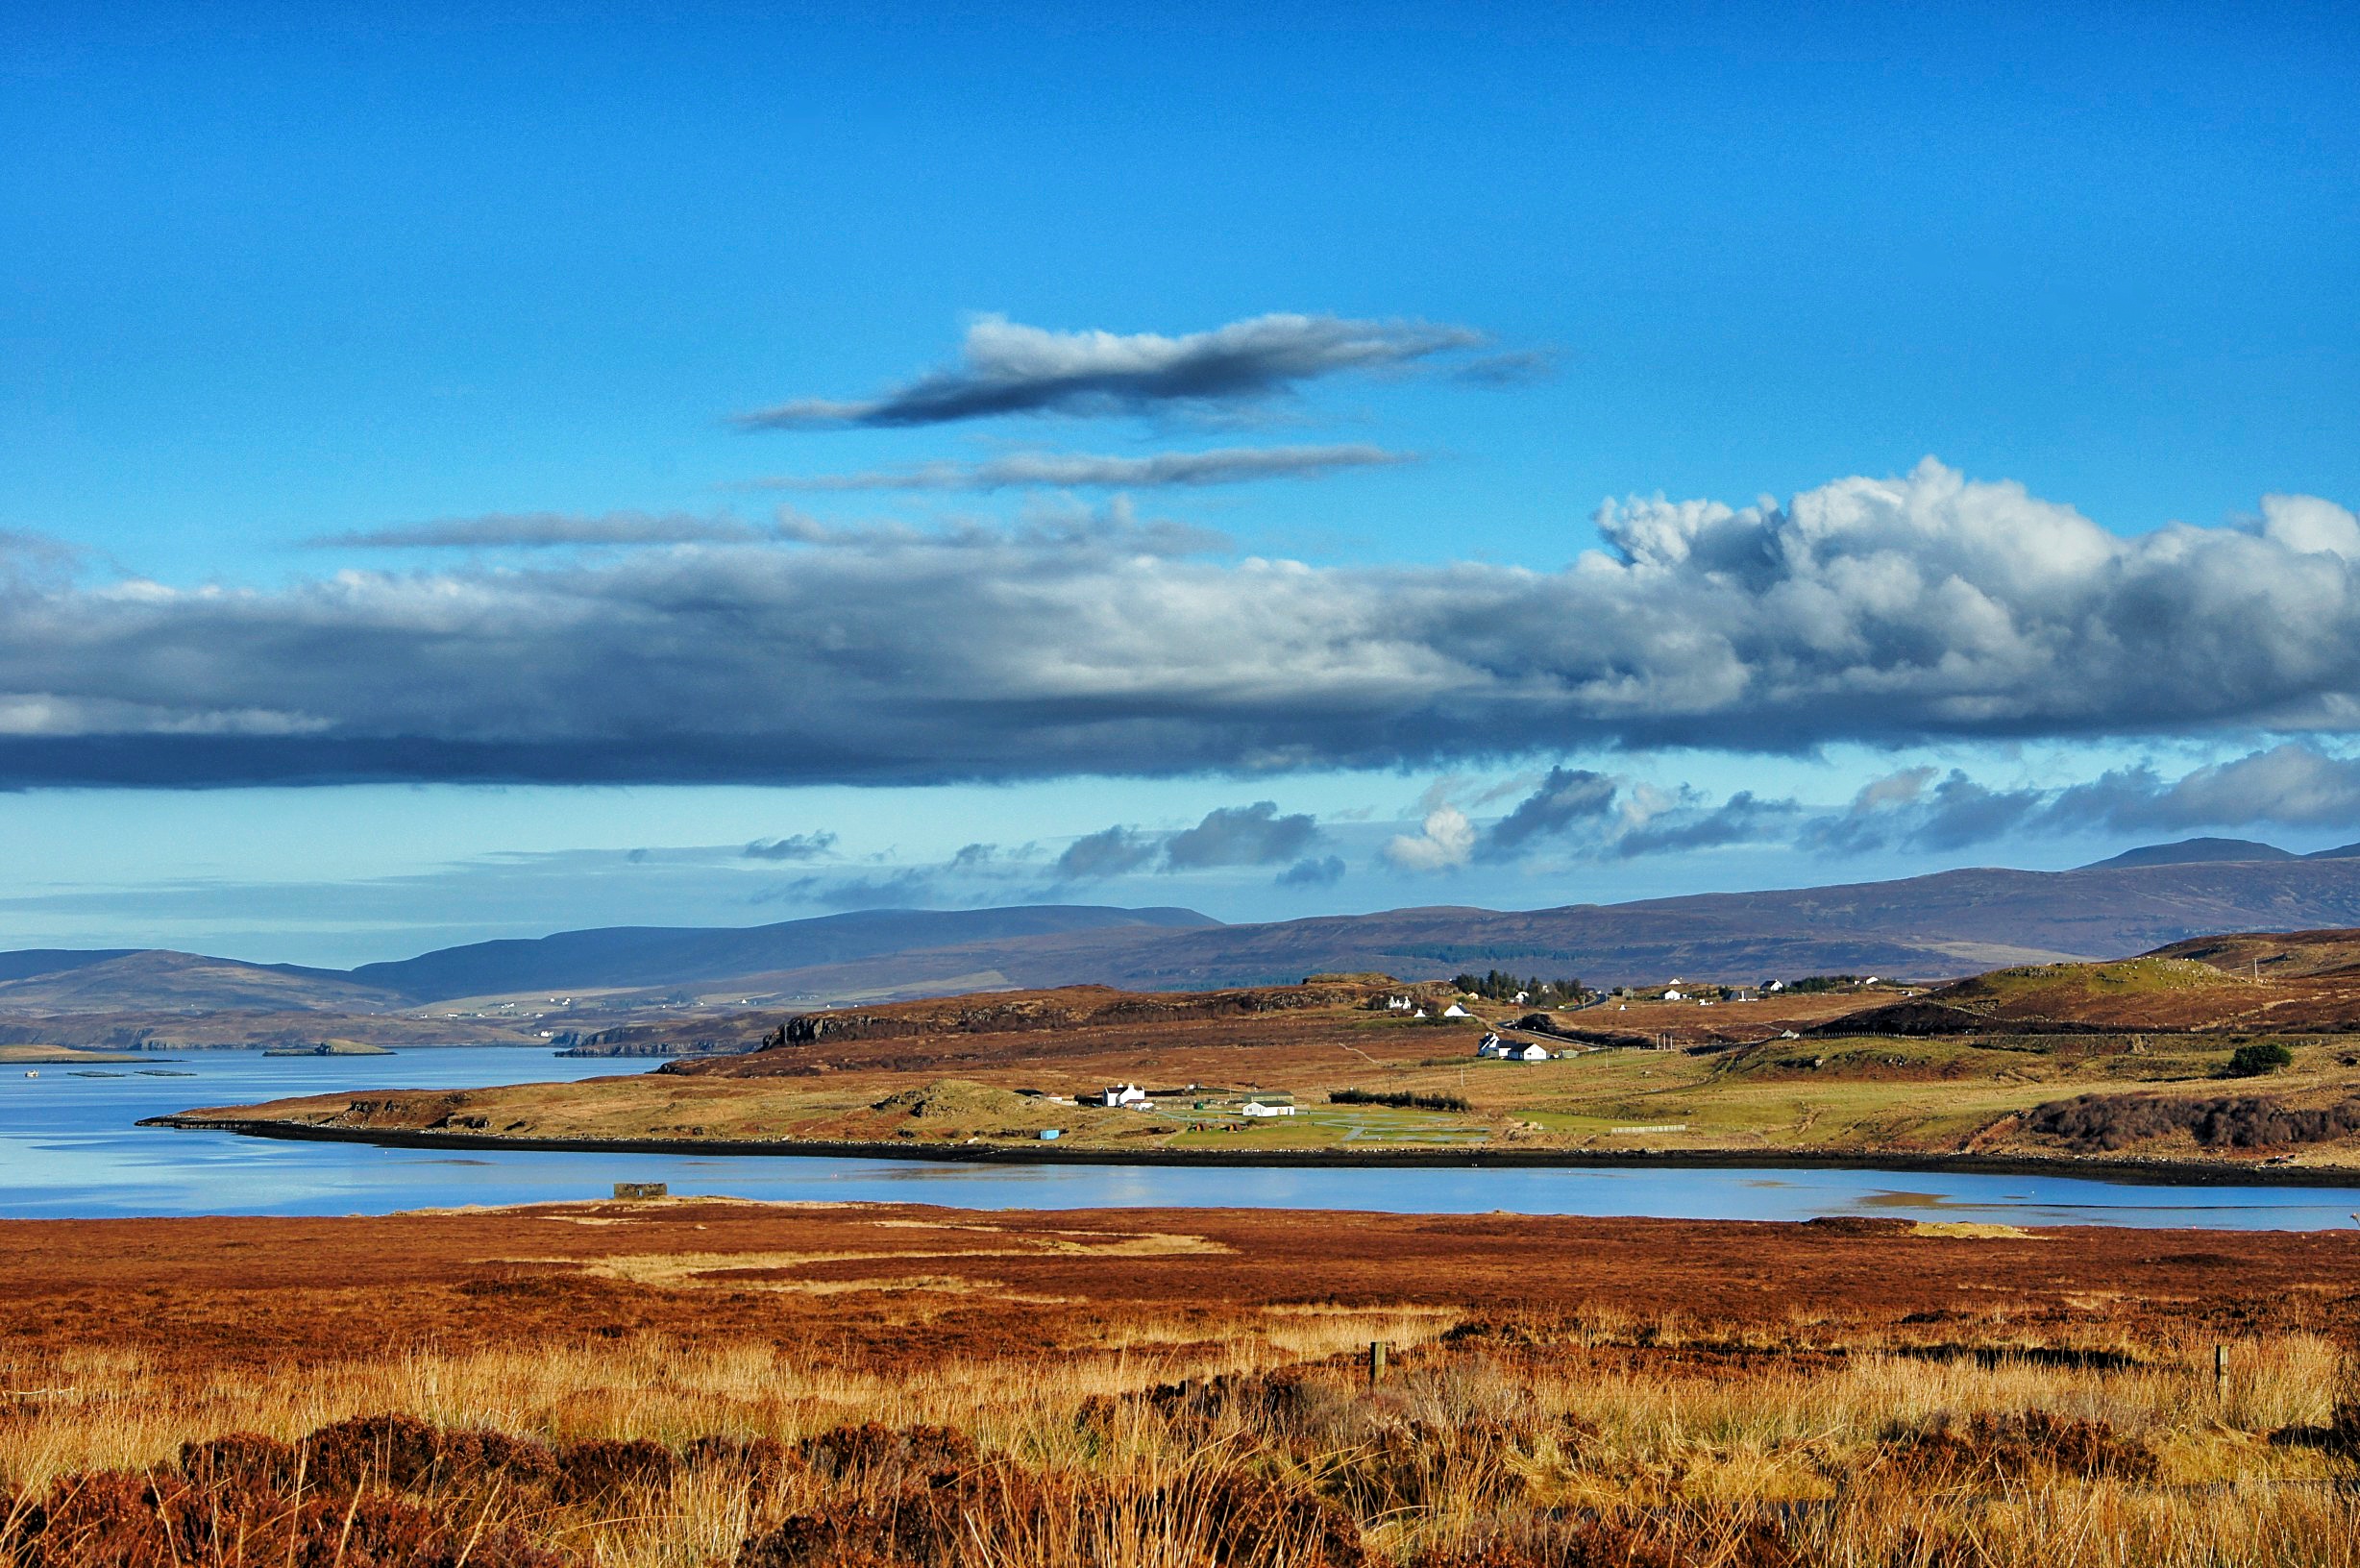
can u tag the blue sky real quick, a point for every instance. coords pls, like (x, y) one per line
(283, 285)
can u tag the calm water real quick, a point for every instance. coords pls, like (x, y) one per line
(69, 1147)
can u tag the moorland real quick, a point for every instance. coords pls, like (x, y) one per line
(2222, 1053)
(690, 1383)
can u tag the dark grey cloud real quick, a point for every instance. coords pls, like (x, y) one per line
(2292, 785)
(1083, 470)
(1883, 611)
(1312, 874)
(1008, 368)
(1254, 835)
(915, 888)
(1917, 809)
(1110, 852)
(793, 847)
(1566, 797)
(542, 530)
(1741, 818)
(1959, 812)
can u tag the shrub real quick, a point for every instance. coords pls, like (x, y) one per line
(2261, 1057)
(108, 1517)
(246, 1459)
(2105, 1122)
(590, 1470)
(759, 1461)
(398, 1450)
(2012, 1446)
(475, 1457)
(1399, 1098)
(889, 1456)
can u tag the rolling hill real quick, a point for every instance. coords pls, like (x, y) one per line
(1932, 927)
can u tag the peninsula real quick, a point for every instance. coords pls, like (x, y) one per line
(2221, 1055)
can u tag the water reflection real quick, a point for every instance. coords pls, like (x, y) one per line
(69, 1147)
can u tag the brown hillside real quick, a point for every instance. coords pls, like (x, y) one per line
(2296, 982)
(1073, 1025)
(1069, 1007)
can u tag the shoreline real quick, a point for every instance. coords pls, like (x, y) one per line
(2122, 1172)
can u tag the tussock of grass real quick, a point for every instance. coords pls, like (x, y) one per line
(1253, 1439)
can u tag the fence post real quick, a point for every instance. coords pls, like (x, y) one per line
(1376, 1362)
(2221, 1371)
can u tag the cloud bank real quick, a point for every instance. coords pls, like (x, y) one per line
(1229, 836)
(1082, 470)
(1884, 611)
(1008, 368)
(2290, 785)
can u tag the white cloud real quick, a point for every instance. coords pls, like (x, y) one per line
(1925, 607)
(1445, 842)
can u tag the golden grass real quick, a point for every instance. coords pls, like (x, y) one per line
(1696, 1436)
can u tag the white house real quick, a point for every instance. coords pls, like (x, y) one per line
(1526, 1053)
(1419, 1014)
(1490, 1046)
(1454, 1011)
(1776, 985)
(1523, 996)
(1123, 1094)
(1255, 1108)
(1396, 1004)
(1674, 997)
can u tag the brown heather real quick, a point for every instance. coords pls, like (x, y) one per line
(700, 1384)
(1587, 1441)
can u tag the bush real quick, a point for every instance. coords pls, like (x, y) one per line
(1997, 1448)
(2092, 1123)
(1400, 1099)
(587, 1471)
(397, 1451)
(2262, 1057)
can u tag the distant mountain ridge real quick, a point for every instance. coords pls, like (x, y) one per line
(645, 956)
(2194, 851)
(1938, 927)
(69, 980)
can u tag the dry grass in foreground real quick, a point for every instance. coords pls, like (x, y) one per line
(1590, 1438)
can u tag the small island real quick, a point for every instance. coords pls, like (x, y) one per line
(329, 1047)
